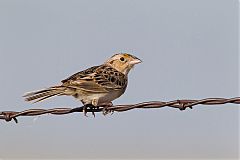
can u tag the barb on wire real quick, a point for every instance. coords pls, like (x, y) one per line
(180, 104)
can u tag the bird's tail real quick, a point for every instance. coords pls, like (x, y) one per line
(41, 95)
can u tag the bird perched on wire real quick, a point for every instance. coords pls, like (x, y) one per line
(95, 86)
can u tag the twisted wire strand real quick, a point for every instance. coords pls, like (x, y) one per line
(180, 104)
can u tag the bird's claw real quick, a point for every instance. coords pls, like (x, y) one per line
(183, 105)
(106, 111)
(93, 113)
(85, 110)
(106, 108)
(90, 106)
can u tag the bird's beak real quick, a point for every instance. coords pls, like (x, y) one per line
(135, 61)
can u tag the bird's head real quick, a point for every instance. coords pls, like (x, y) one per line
(123, 62)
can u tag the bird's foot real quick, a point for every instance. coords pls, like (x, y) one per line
(85, 110)
(91, 107)
(107, 108)
(183, 105)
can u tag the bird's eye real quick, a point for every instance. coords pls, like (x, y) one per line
(122, 59)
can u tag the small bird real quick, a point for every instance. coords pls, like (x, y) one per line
(95, 86)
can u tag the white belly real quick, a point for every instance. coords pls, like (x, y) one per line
(99, 97)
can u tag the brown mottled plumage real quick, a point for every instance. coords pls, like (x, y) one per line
(96, 85)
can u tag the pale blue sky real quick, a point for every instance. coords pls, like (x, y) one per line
(189, 50)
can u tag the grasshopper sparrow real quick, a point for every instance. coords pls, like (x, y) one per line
(94, 86)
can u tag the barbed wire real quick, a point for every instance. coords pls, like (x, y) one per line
(105, 109)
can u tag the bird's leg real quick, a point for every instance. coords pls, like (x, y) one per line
(85, 110)
(88, 106)
(94, 106)
(93, 111)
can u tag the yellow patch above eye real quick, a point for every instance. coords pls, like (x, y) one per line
(126, 54)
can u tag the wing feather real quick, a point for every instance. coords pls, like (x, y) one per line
(97, 79)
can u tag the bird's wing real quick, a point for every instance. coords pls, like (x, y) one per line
(97, 79)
